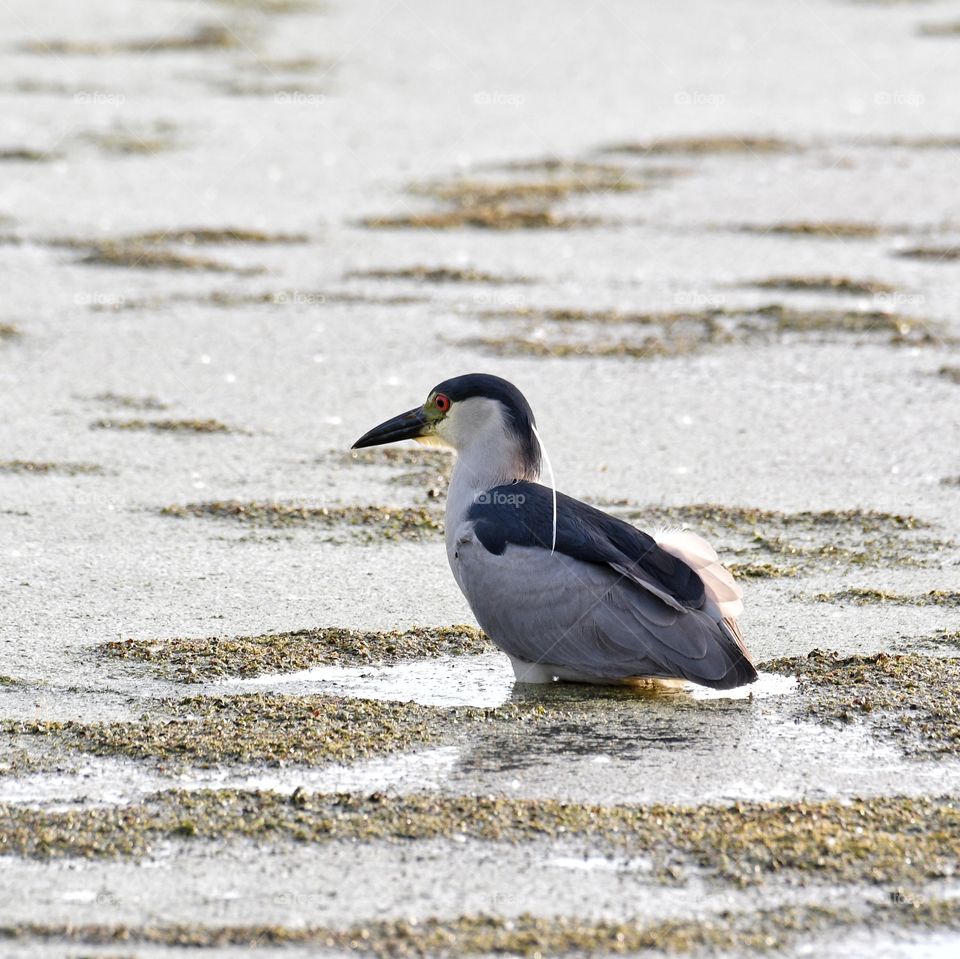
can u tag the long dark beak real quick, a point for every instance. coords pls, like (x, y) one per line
(406, 426)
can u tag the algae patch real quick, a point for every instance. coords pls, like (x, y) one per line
(910, 699)
(950, 28)
(375, 522)
(825, 284)
(141, 257)
(483, 935)
(556, 332)
(215, 657)
(213, 731)
(830, 229)
(747, 144)
(214, 236)
(130, 402)
(163, 426)
(867, 597)
(761, 570)
(893, 841)
(35, 468)
(202, 37)
(25, 155)
(481, 218)
(436, 274)
(933, 254)
(767, 543)
(509, 203)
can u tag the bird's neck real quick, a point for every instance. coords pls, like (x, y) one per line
(480, 467)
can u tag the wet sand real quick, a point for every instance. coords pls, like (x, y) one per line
(718, 252)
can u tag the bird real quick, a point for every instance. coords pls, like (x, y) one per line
(567, 591)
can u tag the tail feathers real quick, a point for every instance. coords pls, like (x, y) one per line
(698, 554)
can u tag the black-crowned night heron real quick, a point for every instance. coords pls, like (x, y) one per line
(565, 590)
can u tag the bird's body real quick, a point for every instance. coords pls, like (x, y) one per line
(567, 591)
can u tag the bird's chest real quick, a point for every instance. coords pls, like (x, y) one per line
(460, 498)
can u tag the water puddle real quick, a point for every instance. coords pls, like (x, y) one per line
(486, 681)
(110, 781)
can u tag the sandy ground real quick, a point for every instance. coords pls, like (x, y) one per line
(303, 123)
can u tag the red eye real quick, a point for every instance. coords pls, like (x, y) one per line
(442, 402)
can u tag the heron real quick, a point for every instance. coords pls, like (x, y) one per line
(566, 590)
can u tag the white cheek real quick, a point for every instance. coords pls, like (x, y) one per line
(445, 432)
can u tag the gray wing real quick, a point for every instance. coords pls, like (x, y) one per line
(551, 608)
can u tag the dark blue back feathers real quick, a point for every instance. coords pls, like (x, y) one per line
(522, 514)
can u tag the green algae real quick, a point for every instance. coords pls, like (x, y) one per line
(227, 299)
(214, 236)
(746, 144)
(951, 373)
(123, 140)
(473, 194)
(483, 935)
(34, 468)
(163, 426)
(824, 284)
(832, 229)
(942, 637)
(760, 570)
(202, 37)
(130, 402)
(378, 522)
(717, 516)
(272, 6)
(213, 731)
(934, 254)
(438, 274)
(948, 29)
(908, 699)
(481, 218)
(507, 203)
(678, 333)
(214, 657)
(766, 931)
(9, 332)
(804, 541)
(896, 841)
(144, 257)
(25, 155)
(866, 597)
(649, 348)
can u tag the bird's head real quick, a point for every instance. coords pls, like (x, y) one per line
(478, 415)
